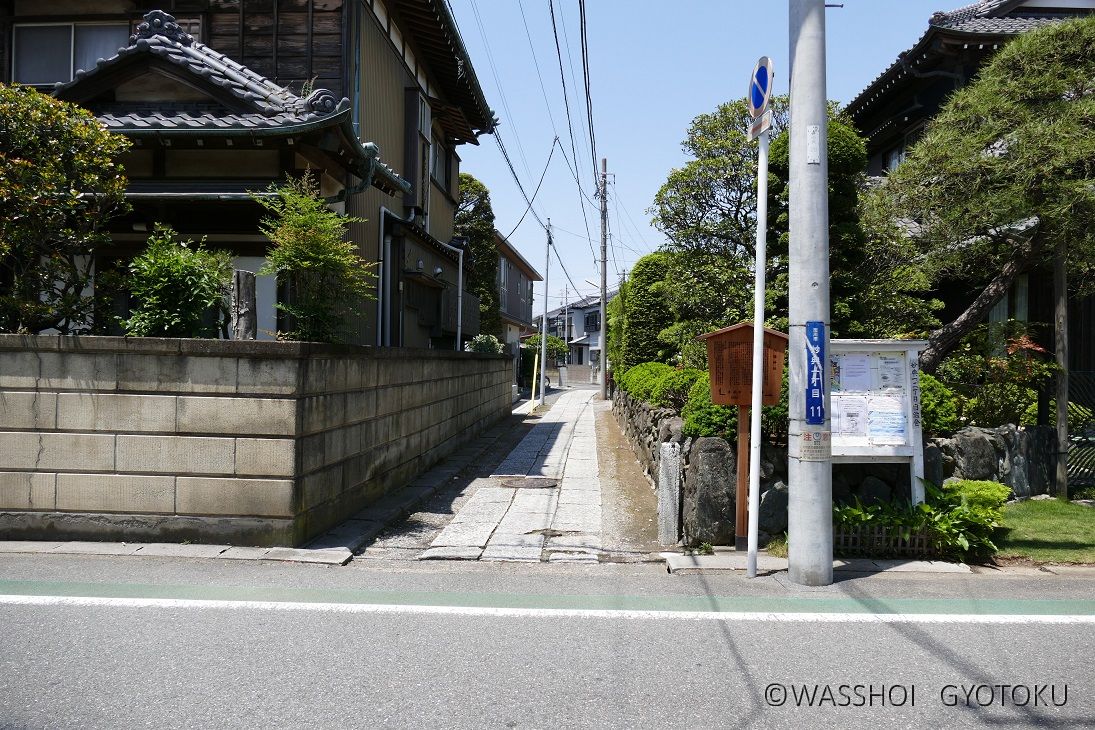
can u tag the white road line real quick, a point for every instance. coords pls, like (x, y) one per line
(506, 612)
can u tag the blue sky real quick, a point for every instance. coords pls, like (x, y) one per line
(653, 67)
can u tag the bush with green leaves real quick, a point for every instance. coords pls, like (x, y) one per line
(179, 287)
(488, 344)
(639, 381)
(1080, 417)
(671, 389)
(557, 349)
(646, 312)
(937, 406)
(60, 183)
(995, 373)
(961, 520)
(704, 418)
(326, 279)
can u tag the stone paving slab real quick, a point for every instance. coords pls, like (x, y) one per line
(27, 546)
(737, 561)
(514, 539)
(244, 553)
(465, 534)
(351, 534)
(452, 553)
(176, 550)
(97, 548)
(573, 558)
(513, 553)
(331, 556)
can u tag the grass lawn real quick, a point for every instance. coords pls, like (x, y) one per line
(1049, 531)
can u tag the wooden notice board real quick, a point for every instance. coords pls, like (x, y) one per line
(730, 362)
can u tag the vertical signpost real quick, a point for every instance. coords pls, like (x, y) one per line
(760, 92)
(809, 463)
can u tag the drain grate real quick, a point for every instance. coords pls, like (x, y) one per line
(530, 483)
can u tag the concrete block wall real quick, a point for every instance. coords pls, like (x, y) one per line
(261, 443)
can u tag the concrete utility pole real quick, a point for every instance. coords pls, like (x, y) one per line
(544, 328)
(1060, 331)
(604, 279)
(809, 464)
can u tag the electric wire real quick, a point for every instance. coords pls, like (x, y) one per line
(535, 192)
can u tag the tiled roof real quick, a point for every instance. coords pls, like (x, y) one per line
(262, 104)
(160, 36)
(983, 18)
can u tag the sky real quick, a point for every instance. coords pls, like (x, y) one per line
(653, 67)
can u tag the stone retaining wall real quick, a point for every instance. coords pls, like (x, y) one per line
(706, 469)
(257, 443)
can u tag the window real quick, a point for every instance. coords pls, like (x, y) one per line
(502, 280)
(593, 321)
(46, 54)
(895, 157)
(442, 164)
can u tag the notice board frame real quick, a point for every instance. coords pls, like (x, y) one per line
(911, 452)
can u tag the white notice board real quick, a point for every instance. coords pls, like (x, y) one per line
(875, 404)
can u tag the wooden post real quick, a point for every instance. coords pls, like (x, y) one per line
(1060, 329)
(741, 525)
(245, 325)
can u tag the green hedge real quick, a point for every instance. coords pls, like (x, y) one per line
(671, 389)
(704, 418)
(639, 381)
(938, 407)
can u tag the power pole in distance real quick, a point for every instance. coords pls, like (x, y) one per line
(544, 328)
(604, 279)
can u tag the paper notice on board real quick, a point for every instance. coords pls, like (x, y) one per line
(891, 372)
(850, 416)
(855, 373)
(886, 420)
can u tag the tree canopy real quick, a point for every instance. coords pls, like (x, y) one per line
(1003, 175)
(475, 221)
(59, 184)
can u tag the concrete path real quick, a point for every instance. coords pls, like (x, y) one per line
(543, 502)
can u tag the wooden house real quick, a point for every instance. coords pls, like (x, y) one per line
(221, 98)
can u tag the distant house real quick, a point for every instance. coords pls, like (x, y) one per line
(894, 109)
(515, 292)
(225, 98)
(579, 324)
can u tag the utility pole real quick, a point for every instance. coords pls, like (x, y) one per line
(566, 317)
(544, 328)
(809, 464)
(604, 279)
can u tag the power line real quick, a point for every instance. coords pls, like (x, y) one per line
(585, 74)
(513, 172)
(537, 190)
(536, 64)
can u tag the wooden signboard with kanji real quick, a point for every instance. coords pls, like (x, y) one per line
(730, 362)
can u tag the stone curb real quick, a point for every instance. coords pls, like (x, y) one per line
(676, 562)
(329, 556)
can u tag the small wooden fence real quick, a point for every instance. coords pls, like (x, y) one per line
(871, 541)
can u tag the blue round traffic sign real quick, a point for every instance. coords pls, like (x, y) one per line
(760, 87)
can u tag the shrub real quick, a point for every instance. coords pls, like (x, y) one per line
(484, 343)
(1079, 417)
(646, 312)
(59, 185)
(937, 406)
(177, 285)
(961, 520)
(556, 348)
(326, 279)
(704, 418)
(671, 389)
(639, 381)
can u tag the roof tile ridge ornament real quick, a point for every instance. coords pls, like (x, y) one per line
(159, 23)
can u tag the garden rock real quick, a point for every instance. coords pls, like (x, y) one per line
(976, 453)
(772, 515)
(874, 491)
(709, 493)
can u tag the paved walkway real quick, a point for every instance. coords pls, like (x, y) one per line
(542, 502)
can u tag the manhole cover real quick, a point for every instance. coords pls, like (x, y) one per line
(530, 483)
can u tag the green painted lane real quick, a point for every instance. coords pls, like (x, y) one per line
(705, 604)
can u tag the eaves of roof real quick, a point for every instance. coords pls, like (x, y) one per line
(506, 248)
(436, 34)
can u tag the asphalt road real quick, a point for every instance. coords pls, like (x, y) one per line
(107, 642)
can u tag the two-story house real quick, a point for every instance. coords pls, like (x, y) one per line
(894, 109)
(515, 293)
(578, 323)
(221, 98)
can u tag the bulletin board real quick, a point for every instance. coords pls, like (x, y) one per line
(875, 404)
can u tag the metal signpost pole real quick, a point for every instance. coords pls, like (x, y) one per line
(544, 328)
(760, 92)
(809, 463)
